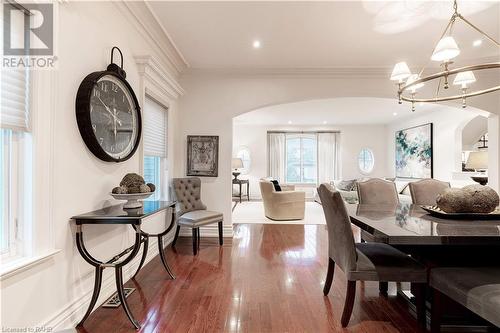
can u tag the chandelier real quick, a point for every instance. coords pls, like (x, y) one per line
(445, 50)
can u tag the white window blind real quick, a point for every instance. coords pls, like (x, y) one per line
(14, 99)
(155, 129)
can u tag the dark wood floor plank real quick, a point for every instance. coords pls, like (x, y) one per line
(268, 278)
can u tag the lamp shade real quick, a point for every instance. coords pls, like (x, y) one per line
(400, 72)
(464, 78)
(412, 78)
(236, 163)
(478, 160)
(446, 49)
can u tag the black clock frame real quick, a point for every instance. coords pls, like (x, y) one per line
(83, 119)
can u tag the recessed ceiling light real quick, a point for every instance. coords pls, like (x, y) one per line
(256, 44)
(324, 122)
(477, 42)
(394, 113)
(289, 122)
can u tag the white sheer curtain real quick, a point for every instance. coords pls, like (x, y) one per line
(276, 155)
(328, 157)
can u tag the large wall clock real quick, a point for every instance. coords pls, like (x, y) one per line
(108, 113)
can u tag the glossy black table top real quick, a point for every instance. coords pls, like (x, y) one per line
(118, 215)
(408, 224)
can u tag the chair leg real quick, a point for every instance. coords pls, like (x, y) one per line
(329, 276)
(221, 239)
(349, 303)
(176, 235)
(195, 240)
(419, 290)
(436, 311)
(199, 238)
(383, 287)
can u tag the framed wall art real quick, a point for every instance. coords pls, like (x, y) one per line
(414, 152)
(202, 156)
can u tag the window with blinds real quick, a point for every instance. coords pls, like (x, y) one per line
(155, 147)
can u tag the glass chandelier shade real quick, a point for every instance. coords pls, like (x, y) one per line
(464, 78)
(400, 72)
(446, 49)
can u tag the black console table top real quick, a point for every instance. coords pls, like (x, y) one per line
(118, 215)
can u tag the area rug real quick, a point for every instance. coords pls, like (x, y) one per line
(253, 212)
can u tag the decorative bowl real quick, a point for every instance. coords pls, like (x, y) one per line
(132, 199)
(438, 212)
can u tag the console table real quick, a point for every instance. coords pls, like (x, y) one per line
(118, 215)
(241, 182)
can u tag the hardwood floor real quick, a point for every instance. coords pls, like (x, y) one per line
(268, 278)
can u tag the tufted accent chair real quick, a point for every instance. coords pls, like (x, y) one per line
(191, 212)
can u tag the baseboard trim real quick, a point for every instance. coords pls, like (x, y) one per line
(71, 314)
(211, 230)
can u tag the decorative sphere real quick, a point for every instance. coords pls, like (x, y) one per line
(144, 188)
(152, 186)
(132, 182)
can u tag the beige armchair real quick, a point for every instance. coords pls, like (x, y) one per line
(285, 205)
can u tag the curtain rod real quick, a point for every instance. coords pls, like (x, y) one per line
(301, 132)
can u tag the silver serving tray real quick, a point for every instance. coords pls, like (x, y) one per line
(437, 212)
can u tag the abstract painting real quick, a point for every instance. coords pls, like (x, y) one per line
(202, 156)
(414, 152)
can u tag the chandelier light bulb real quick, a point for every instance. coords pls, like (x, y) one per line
(464, 78)
(400, 72)
(446, 49)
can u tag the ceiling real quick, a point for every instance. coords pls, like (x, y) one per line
(320, 34)
(338, 111)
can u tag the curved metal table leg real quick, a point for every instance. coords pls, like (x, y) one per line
(121, 296)
(144, 255)
(95, 294)
(163, 259)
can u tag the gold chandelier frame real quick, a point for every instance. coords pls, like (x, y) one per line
(402, 88)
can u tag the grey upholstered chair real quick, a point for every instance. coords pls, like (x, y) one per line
(364, 261)
(476, 288)
(191, 212)
(377, 191)
(425, 191)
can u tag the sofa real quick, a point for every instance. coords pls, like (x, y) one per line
(283, 205)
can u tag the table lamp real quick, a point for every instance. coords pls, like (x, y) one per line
(236, 164)
(478, 160)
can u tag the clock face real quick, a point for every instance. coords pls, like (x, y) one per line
(113, 116)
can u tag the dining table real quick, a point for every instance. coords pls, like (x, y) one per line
(433, 241)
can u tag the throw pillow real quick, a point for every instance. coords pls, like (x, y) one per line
(277, 186)
(346, 185)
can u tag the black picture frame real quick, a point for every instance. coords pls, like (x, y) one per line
(202, 155)
(431, 133)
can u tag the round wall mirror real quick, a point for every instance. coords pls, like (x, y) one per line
(244, 154)
(366, 160)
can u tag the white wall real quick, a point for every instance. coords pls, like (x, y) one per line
(448, 123)
(352, 138)
(57, 291)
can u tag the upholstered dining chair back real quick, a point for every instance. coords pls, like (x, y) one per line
(425, 191)
(341, 247)
(378, 192)
(188, 194)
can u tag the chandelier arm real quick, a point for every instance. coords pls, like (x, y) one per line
(479, 30)
(450, 72)
(450, 98)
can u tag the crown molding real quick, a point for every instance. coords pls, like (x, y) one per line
(329, 72)
(153, 71)
(140, 14)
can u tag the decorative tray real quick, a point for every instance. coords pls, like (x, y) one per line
(437, 212)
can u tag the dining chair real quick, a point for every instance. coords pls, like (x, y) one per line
(377, 191)
(365, 261)
(191, 212)
(425, 191)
